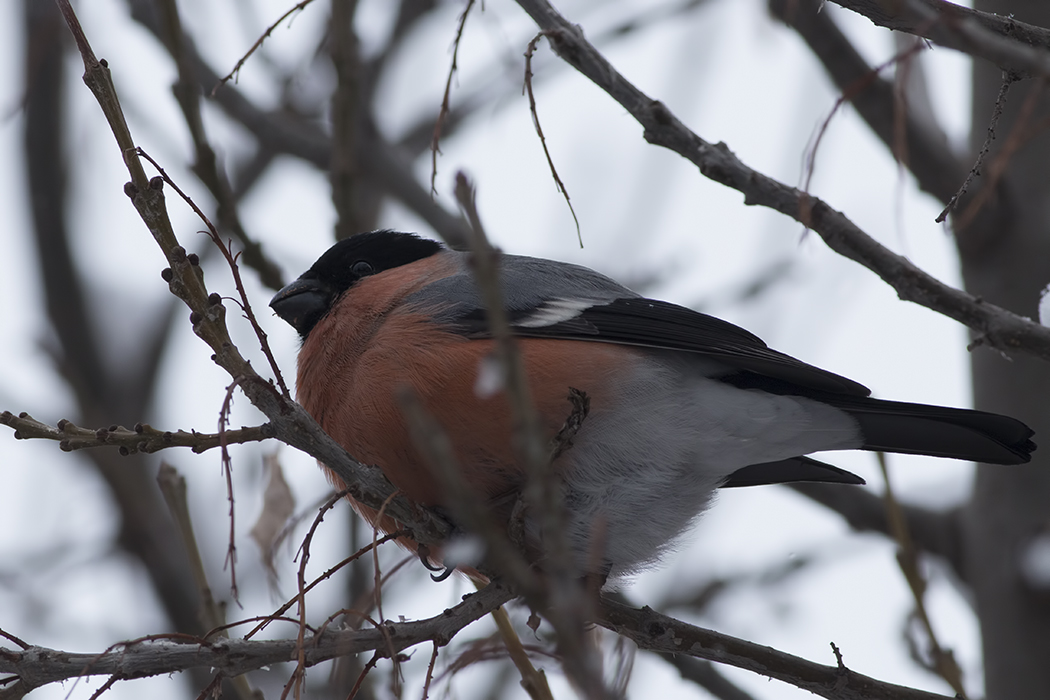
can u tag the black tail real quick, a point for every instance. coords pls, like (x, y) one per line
(912, 428)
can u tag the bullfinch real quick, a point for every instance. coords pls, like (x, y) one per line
(681, 403)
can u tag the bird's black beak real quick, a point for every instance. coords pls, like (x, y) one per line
(302, 304)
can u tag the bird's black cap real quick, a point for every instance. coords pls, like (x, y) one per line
(305, 301)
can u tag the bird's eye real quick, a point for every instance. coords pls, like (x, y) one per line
(362, 269)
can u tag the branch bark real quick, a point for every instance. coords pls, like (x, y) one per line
(37, 666)
(1016, 47)
(657, 632)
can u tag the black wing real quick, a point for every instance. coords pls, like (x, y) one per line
(659, 324)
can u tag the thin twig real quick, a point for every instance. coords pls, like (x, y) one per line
(997, 112)
(276, 615)
(430, 671)
(847, 96)
(364, 672)
(298, 7)
(300, 599)
(227, 470)
(1019, 135)
(106, 686)
(231, 260)
(445, 100)
(1016, 47)
(212, 613)
(527, 88)
(533, 680)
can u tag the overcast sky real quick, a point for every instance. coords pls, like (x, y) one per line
(647, 218)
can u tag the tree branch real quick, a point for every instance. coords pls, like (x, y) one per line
(995, 325)
(1018, 48)
(142, 438)
(657, 632)
(37, 666)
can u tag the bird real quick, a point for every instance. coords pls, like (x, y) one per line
(681, 402)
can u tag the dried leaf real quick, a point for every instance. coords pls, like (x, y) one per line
(278, 508)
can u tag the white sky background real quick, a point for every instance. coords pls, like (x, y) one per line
(730, 73)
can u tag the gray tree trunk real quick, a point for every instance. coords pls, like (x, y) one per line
(1005, 258)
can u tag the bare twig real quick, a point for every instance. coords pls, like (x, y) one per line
(298, 7)
(231, 260)
(212, 613)
(276, 615)
(388, 168)
(173, 487)
(98, 78)
(850, 94)
(445, 100)
(527, 88)
(997, 112)
(1022, 132)
(304, 551)
(227, 470)
(141, 438)
(937, 170)
(105, 686)
(532, 680)
(430, 672)
(364, 672)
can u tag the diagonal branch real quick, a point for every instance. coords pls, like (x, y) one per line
(1018, 48)
(657, 632)
(995, 325)
(291, 423)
